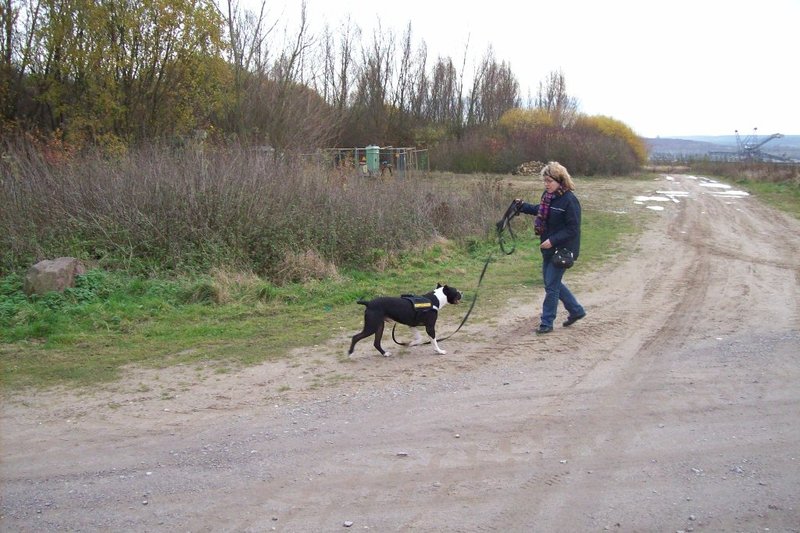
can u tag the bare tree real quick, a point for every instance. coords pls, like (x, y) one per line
(443, 101)
(447, 104)
(554, 99)
(420, 84)
(336, 82)
(248, 34)
(294, 116)
(398, 109)
(495, 90)
(272, 102)
(374, 84)
(11, 73)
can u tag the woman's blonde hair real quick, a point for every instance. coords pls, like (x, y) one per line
(558, 172)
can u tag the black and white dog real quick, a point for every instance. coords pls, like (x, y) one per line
(405, 311)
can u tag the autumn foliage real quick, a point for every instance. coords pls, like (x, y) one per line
(592, 145)
(107, 75)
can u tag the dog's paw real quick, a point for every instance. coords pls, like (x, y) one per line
(387, 354)
(441, 352)
(415, 342)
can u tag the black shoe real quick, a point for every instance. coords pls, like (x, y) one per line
(572, 319)
(543, 329)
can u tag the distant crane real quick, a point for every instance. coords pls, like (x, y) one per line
(750, 147)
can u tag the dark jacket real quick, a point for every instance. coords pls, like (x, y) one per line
(563, 224)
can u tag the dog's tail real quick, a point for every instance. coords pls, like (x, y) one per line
(362, 302)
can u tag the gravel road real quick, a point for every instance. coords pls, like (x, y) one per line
(674, 406)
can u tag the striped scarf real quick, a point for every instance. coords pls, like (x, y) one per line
(540, 222)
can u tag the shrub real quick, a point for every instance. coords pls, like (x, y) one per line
(157, 209)
(305, 267)
(592, 145)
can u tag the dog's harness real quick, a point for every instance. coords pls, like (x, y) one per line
(504, 225)
(419, 302)
(422, 306)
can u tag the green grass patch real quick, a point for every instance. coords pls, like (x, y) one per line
(784, 196)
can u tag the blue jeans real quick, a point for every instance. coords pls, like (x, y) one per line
(554, 291)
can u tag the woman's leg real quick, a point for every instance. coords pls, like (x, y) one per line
(552, 292)
(570, 302)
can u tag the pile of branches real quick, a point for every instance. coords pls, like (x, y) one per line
(531, 168)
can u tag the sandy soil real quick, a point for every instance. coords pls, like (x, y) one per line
(674, 406)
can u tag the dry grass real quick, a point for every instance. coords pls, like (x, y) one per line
(304, 267)
(156, 210)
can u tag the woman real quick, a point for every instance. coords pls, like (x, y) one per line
(558, 224)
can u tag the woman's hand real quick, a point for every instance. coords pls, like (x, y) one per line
(546, 245)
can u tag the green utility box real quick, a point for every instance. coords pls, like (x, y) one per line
(373, 159)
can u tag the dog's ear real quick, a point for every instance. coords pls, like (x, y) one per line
(438, 285)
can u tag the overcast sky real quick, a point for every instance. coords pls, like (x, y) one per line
(666, 68)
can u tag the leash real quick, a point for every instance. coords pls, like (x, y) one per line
(505, 225)
(502, 226)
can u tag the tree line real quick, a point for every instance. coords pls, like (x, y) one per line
(114, 73)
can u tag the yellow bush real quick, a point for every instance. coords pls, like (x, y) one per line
(517, 120)
(611, 127)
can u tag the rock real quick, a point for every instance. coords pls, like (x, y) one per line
(52, 275)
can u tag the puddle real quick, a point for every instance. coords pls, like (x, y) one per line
(715, 188)
(731, 194)
(726, 189)
(643, 199)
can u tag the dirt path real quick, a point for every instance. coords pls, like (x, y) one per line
(672, 407)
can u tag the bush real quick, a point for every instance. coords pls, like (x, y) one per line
(593, 145)
(157, 209)
(750, 171)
